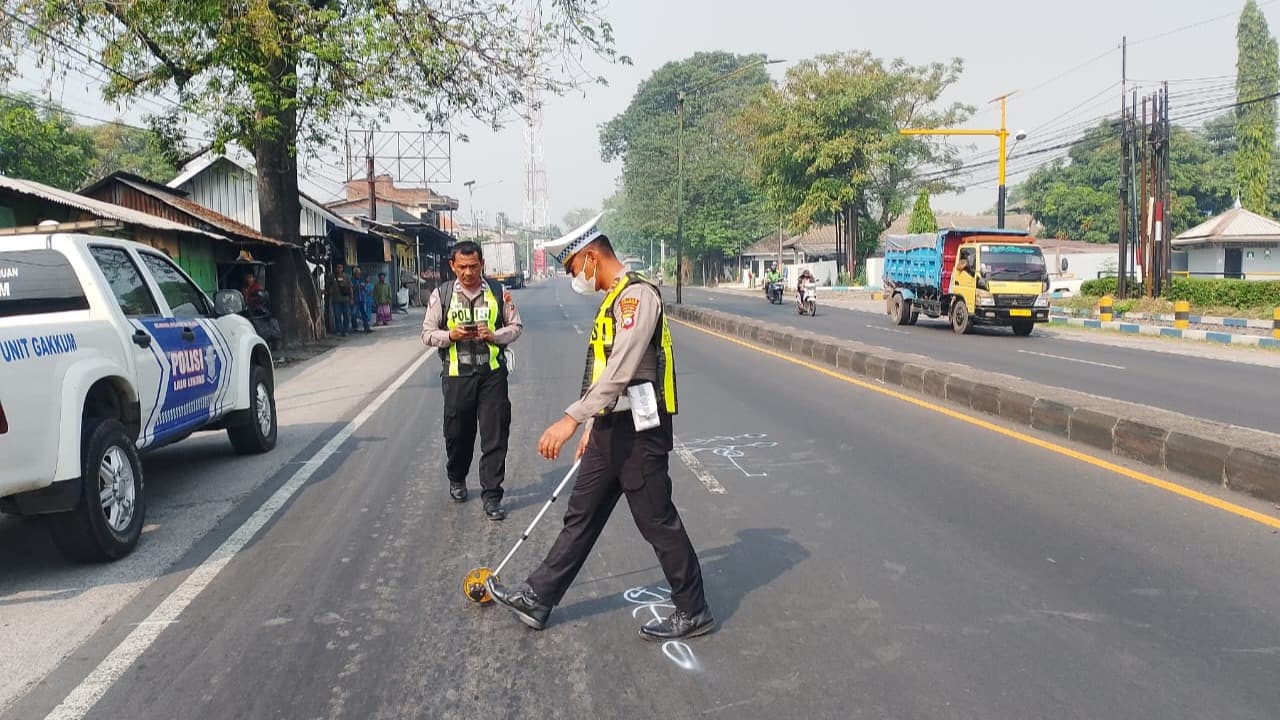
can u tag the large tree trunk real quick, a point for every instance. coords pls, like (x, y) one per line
(295, 302)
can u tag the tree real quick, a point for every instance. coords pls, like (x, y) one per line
(1257, 82)
(575, 218)
(120, 148)
(39, 143)
(282, 76)
(922, 218)
(723, 209)
(827, 146)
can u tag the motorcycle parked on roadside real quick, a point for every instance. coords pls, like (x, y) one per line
(807, 299)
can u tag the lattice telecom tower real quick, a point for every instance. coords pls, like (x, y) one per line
(537, 204)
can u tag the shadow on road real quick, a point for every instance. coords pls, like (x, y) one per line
(730, 572)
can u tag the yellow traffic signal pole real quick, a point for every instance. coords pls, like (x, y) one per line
(1002, 133)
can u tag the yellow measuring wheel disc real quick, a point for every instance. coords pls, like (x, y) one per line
(473, 585)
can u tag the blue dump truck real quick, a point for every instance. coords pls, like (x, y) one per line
(971, 277)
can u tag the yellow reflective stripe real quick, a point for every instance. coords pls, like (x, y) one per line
(602, 332)
(492, 302)
(669, 369)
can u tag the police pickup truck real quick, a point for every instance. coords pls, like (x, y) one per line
(107, 350)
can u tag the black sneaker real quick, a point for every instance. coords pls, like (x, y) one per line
(523, 602)
(458, 493)
(680, 625)
(494, 511)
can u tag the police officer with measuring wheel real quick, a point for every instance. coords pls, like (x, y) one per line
(472, 320)
(628, 398)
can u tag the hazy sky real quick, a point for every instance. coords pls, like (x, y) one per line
(1040, 49)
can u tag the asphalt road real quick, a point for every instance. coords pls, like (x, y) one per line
(867, 558)
(1230, 392)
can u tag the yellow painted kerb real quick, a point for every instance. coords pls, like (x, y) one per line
(1176, 489)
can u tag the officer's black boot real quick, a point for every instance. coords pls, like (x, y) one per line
(523, 602)
(680, 625)
(458, 492)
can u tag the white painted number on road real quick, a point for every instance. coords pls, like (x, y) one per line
(648, 601)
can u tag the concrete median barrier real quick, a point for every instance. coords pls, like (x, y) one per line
(1238, 458)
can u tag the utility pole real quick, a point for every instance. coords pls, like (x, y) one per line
(1121, 269)
(1002, 133)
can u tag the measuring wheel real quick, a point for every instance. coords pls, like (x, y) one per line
(473, 586)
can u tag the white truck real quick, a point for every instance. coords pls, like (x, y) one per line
(502, 262)
(108, 350)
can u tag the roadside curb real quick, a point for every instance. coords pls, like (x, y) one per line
(1241, 459)
(1162, 331)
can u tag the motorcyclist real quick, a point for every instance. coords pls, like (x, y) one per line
(805, 276)
(771, 276)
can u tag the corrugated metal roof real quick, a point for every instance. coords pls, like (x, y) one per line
(200, 212)
(99, 208)
(1234, 225)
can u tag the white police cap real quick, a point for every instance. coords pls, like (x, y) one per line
(569, 244)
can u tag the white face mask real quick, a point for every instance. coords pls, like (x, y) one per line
(582, 284)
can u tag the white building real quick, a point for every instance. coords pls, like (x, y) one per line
(1236, 244)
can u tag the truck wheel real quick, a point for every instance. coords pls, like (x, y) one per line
(1023, 328)
(257, 433)
(961, 322)
(107, 520)
(915, 315)
(901, 310)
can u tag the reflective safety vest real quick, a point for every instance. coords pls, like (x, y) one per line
(472, 356)
(658, 365)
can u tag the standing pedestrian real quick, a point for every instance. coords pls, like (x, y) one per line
(362, 297)
(340, 297)
(382, 299)
(472, 320)
(627, 402)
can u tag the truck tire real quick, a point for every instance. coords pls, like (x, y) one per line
(961, 321)
(915, 315)
(1023, 328)
(901, 310)
(257, 429)
(107, 520)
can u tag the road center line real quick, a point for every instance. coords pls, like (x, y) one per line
(1075, 360)
(87, 694)
(1172, 487)
(704, 476)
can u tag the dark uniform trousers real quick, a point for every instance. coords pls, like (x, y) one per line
(470, 401)
(619, 461)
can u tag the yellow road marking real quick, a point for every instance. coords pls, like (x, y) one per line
(1176, 489)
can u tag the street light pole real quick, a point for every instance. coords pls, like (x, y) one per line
(680, 98)
(471, 195)
(680, 199)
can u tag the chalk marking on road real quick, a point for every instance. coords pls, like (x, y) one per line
(729, 447)
(676, 651)
(578, 329)
(881, 328)
(708, 480)
(1071, 359)
(87, 694)
(1230, 507)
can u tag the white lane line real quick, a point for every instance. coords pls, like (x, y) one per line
(888, 330)
(704, 476)
(87, 694)
(1075, 360)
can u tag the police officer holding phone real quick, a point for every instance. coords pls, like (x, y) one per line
(471, 320)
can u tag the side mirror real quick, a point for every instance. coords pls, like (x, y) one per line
(228, 302)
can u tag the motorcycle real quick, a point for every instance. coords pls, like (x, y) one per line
(257, 312)
(773, 291)
(807, 300)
